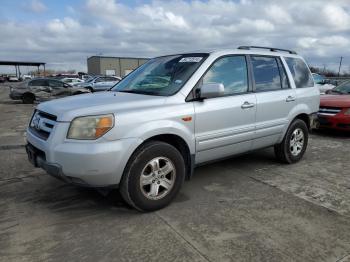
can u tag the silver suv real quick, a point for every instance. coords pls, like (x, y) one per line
(149, 132)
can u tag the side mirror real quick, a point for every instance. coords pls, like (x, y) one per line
(210, 90)
(66, 85)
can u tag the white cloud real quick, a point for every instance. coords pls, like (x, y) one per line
(336, 16)
(36, 6)
(319, 30)
(278, 15)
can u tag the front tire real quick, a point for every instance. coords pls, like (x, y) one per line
(153, 176)
(294, 143)
(28, 98)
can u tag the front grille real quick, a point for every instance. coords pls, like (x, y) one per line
(42, 124)
(329, 111)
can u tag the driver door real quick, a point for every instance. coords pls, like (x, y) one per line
(225, 125)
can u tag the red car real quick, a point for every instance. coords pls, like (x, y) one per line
(335, 108)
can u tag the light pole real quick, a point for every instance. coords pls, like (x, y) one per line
(341, 60)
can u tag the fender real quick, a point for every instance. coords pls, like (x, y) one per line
(297, 110)
(163, 127)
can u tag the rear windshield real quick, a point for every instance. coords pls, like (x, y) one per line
(161, 76)
(301, 73)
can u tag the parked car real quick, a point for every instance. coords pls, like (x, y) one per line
(335, 108)
(321, 83)
(72, 81)
(86, 77)
(26, 77)
(100, 83)
(12, 79)
(41, 89)
(173, 113)
(2, 79)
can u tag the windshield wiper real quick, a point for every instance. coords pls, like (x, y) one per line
(336, 91)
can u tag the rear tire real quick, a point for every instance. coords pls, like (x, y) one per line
(28, 98)
(153, 176)
(294, 143)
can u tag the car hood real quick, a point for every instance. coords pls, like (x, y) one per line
(66, 109)
(335, 101)
(324, 88)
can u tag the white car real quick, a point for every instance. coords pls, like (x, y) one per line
(72, 81)
(320, 82)
(13, 79)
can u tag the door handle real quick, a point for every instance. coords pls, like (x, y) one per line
(290, 99)
(246, 105)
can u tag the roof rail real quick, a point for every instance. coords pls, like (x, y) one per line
(272, 49)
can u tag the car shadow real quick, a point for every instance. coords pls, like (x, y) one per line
(332, 133)
(64, 199)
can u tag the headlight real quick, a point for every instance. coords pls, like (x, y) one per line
(347, 111)
(90, 127)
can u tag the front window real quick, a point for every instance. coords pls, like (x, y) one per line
(231, 71)
(55, 84)
(162, 76)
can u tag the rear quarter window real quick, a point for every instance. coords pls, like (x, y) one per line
(300, 72)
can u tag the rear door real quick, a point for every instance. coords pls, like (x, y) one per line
(225, 125)
(275, 99)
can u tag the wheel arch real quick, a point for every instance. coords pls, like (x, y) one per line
(179, 143)
(304, 117)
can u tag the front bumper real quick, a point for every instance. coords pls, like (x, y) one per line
(338, 122)
(85, 163)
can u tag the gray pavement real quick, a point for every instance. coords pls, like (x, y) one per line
(248, 208)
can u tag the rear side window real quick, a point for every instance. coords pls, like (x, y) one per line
(301, 74)
(111, 79)
(266, 73)
(38, 82)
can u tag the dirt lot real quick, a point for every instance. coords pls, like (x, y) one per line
(248, 208)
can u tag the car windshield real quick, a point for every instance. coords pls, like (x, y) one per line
(318, 79)
(343, 88)
(162, 76)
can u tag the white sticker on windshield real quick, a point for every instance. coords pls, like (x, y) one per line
(190, 59)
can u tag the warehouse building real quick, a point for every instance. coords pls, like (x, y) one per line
(117, 66)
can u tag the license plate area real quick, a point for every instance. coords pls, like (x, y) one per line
(323, 121)
(32, 157)
(33, 154)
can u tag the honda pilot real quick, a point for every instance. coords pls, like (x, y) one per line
(148, 133)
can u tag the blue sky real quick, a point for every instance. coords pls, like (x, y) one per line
(64, 33)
